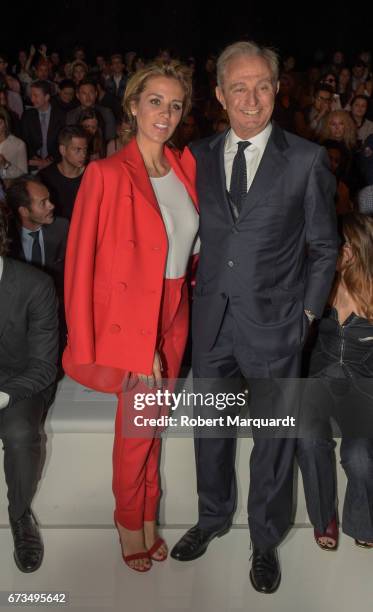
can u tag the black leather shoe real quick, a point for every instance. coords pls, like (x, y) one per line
(28, 545)
(265, 574)
(194, 543)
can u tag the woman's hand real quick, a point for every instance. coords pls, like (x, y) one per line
(155, 380)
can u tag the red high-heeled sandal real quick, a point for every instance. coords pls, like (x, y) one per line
(143, 555)
(330, 532)
(157, 544)
(140, 555)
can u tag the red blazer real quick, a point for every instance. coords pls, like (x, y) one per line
(115, 262)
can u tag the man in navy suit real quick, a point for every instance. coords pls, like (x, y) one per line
(40, 126)
(268, 255)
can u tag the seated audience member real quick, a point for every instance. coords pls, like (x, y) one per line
(42, 73)
(55, 62)
(38, 237)
(87, 96)
(28, 358)
(13, 154)
(65, 98)
(286, 107)
(13, 97)
(40, 127)
(338, 125)
(15, 123)
(79, 53)
(338, 59)
(365, 161)
(79, 72)
(90, 122)
(339, 161)
(344, 87)
(307, 89)
(100, 63)
(359, 109)
(124, 135)
(107, 99)
(309, 121)
(116, 85)
(66, 70)
(358, 74)
(331, 79)
(63, 178)
(340, 387)
(22, 69)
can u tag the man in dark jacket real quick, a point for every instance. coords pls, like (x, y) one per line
(28, 357)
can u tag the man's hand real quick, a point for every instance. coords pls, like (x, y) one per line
(155, 380)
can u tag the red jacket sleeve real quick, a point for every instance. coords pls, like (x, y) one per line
(79, 266)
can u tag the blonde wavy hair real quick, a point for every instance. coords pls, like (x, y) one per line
(357, 273)
(349, 137)
(137, 83)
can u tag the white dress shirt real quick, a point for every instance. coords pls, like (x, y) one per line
(253, 153)
(4, 397)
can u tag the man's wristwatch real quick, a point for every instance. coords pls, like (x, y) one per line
(310, 316)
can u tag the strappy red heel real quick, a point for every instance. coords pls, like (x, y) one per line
(330, 532)
(157, 544)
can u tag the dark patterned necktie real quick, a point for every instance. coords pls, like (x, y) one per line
(238, 186)
(36, 257)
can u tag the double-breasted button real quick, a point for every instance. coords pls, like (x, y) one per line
(230, 263)
(114, 328)
(123, 286)
(131, 244)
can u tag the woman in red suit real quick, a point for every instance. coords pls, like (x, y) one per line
(132, 233)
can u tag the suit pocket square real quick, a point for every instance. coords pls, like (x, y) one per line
(366, 339)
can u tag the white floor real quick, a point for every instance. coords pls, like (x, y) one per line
(86, 563)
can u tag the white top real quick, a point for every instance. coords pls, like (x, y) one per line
(14, 151)
(253, 153)
(181, 222)
(4, 397)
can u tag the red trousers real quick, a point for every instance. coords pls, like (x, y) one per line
(136, 483)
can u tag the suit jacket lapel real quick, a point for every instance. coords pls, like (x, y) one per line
(7, 292)
(271, 167)
(50, 244)
(216, 168)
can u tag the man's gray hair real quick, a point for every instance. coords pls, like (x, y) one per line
(250, 49)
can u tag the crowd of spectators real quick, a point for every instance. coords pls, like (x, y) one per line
(41, 92)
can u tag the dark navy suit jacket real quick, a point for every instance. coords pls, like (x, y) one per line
(278, 258)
